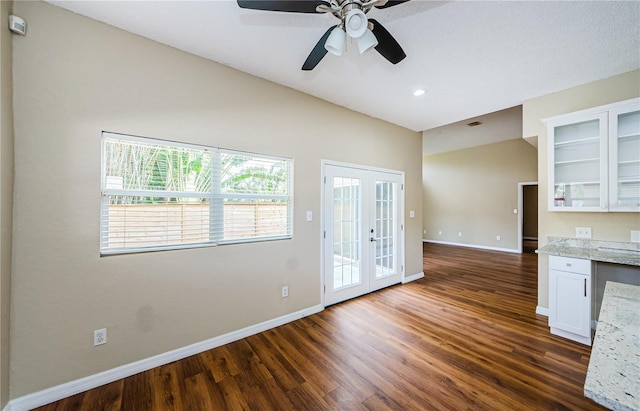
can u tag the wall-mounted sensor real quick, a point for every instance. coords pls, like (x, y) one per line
(17, 25)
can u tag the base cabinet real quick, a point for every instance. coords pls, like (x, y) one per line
(570, 298)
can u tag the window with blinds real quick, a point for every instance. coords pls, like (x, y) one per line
(159, 195)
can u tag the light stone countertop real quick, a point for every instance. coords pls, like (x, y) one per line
(613, 377)
(594, 250)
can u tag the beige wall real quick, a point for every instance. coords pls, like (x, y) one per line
(474, 191)
(6, 196)
(75, 77)
(605, 226)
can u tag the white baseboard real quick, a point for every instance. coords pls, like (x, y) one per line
(482, 247)
(571, 336)
(413, 277)
(542, 311)
(68, 389)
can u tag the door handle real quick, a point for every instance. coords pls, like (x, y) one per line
(372, 239)
(585, 287)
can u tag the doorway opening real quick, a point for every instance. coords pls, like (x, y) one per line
(528, 217)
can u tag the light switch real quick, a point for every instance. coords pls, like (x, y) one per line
(309, 216)
(412, 214)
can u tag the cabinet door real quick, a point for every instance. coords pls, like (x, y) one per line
(624, 158)
(570, 302)
(577, 163)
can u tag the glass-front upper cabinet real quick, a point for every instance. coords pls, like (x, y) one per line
(594, 159)
(624, 159)
(579, 174)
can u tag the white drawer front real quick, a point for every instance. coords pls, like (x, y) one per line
(572, 265)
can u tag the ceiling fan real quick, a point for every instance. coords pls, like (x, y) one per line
(353, 22)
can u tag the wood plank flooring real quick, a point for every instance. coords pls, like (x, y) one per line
(465, 337)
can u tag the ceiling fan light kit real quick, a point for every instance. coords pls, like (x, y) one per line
(356, 23)
(367, 41)
(353, 21)
(335, 44)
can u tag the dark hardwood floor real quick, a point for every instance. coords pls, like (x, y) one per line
(529, 246)
(465, 337)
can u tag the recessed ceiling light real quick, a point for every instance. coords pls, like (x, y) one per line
(418, 92)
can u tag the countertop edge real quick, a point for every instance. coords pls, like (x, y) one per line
(589, 254)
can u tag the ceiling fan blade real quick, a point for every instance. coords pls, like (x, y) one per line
(391, 3)
(293, 6)
(318, 52)
(387, 45)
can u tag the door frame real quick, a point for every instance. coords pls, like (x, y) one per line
(401, 217)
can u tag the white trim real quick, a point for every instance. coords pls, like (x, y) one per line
(481, 247)
(360, 167)
(149, 140)
(571, 336)
(409, 278)
(323, 231)
(40, 398)
(542, 311)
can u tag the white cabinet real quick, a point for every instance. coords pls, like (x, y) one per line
(570, 298)
(624, 158)
(594, 159)
(577, 163)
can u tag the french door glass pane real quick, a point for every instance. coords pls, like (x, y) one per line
(628, 159)
(385, 228)
(347, 227)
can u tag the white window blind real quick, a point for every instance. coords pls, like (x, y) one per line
(159, 195)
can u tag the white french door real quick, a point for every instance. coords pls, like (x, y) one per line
(363, 224)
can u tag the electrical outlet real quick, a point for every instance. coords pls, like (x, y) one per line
(460, 234)
(439, 232)
(498, 237)
(583, 232)
(285, 291)
(99, 336)
(635, 236)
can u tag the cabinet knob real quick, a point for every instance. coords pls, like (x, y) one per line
(568, 264)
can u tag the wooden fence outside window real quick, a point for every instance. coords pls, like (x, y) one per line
(187, 223)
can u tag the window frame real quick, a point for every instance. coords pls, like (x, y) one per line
(216, 196)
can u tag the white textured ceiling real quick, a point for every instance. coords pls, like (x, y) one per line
(472, 57)
(493, 128)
